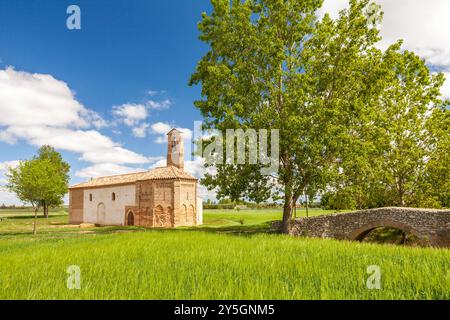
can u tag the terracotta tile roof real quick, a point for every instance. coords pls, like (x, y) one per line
(159, 173)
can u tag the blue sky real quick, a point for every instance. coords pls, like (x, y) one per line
(127, 52)
(105, 95)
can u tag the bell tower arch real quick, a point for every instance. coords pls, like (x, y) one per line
(175, 149)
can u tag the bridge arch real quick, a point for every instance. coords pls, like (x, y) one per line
(360, 233)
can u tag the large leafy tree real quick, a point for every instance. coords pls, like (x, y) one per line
(272, 64)
(402, 143)
(351, 116)
(405, 106)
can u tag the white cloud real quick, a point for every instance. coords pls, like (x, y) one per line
(196, 167)
(38, 99)
(159, 163)
(105, 169)
(159, 105)
(161, 129)
(333, 7)
(423, 25)
(108, 169)
(94, 119)
(40, 109)
(141, 130)
(206, 194)
(135, 115)
(446, 87)
(8, 198)
(92, 145)
(187, 133)
(7, 137)
(152, 93)
(4, 166)
(131, 114)
(8, 164)
(160, 140)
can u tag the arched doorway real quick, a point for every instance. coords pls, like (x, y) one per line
(130, 218)
(101, 213)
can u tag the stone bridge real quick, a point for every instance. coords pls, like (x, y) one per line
(430, 226)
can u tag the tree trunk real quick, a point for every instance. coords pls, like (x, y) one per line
(403, 237)
(401, 193)
(307, 205)
(45, 209)
(35, 221)
(401, 201)
(287, 214)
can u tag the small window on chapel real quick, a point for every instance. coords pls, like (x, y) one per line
(90, 197)
(174, 142)
(113, 196)
(187, 195)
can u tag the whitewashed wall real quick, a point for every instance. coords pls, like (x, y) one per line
(114, 210)
(199, 211)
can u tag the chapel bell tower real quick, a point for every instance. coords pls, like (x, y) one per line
(175, 149)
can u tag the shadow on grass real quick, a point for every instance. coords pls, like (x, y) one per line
(51, 230)
(240, 230)
(246, 230)
(25, 217)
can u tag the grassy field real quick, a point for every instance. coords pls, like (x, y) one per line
(232, 256)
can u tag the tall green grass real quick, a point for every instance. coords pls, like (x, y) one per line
(252, 217)
(230, 257)
(179, 264)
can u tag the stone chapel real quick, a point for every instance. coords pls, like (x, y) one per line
(164, 197)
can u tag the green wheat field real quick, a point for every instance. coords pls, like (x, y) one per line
(234, 255)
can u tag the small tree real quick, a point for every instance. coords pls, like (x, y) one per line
(32, 181)
(61, 176)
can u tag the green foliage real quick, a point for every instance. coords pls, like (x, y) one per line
(41, 181)
(62, 168)
(273, 65)
(404, 142)
(32, 181)
(434, 185)
(340, 200)
(353, 119)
